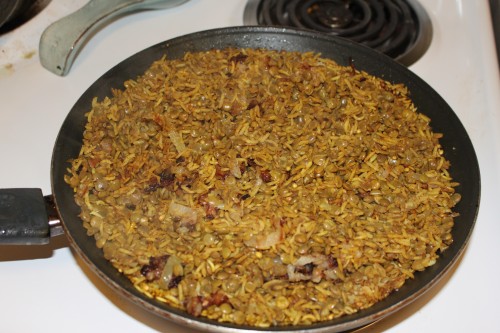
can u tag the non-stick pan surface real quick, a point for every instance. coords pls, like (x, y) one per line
(456, 143)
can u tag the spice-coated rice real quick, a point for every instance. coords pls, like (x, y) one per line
(263, 187)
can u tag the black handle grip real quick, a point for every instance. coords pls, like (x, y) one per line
(23, 217)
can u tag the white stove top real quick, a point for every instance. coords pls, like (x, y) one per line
(49, 289)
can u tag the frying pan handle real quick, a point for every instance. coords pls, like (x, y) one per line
(27, 217)
(62, 40)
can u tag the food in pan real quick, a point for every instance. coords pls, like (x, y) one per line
(263, 187)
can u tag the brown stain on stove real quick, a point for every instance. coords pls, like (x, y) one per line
(29, 55)
(6, 70)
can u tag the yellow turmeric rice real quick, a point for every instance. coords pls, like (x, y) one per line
(263, 187)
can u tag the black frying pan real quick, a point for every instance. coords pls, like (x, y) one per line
(456, 143)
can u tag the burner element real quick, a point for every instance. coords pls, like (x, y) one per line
(332, 15)
(399, 28)
(18, 13)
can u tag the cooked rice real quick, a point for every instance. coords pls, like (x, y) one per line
(263, 188)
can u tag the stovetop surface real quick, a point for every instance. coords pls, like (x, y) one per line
(48, 288)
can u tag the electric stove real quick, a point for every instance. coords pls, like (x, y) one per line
(49, 289)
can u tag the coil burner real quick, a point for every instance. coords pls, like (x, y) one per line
(399, 28)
